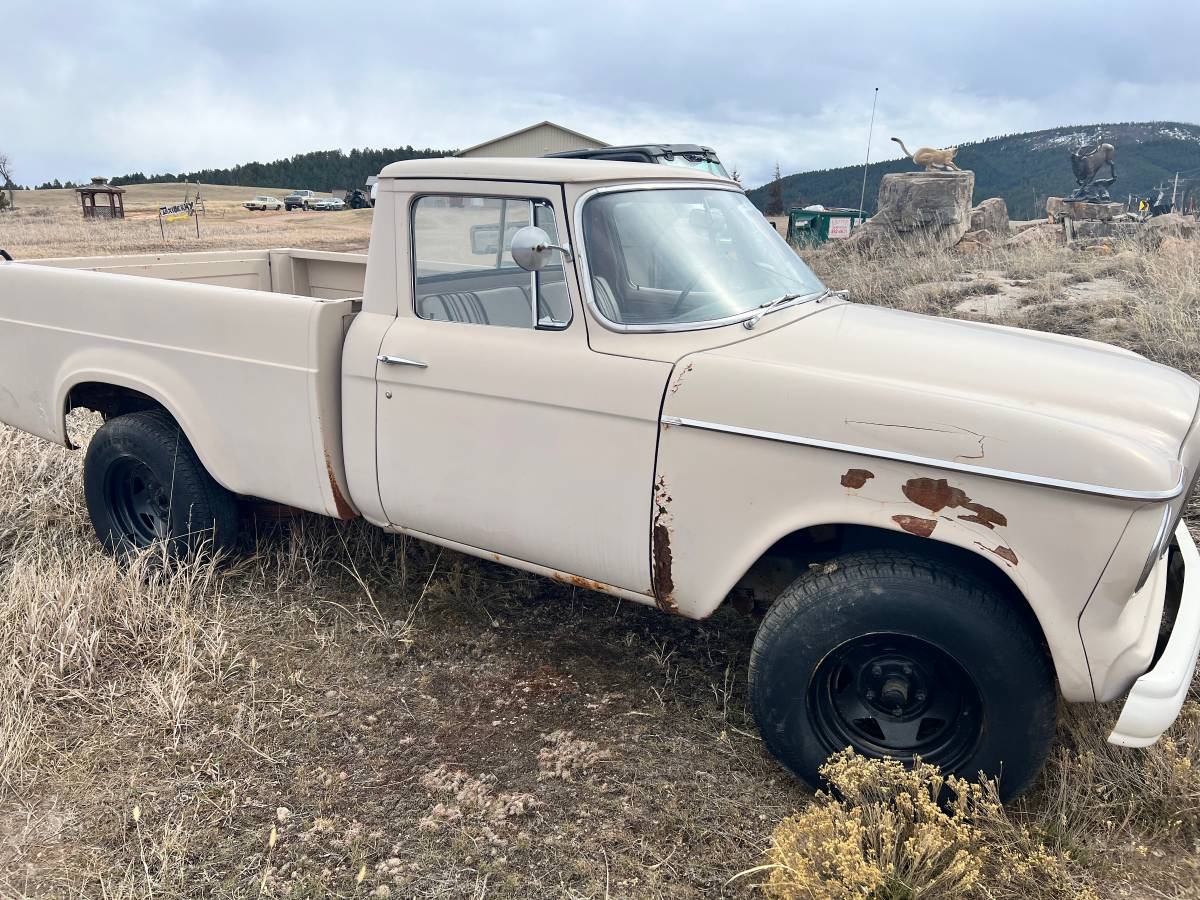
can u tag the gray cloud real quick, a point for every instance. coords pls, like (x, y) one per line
(116, 87)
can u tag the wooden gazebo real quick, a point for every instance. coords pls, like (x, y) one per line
(113, 209)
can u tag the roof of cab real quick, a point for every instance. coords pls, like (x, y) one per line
(539, 168)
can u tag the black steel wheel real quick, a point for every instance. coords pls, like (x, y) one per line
(144, 484)
(900, 657)
(893, 695)
(140, 504)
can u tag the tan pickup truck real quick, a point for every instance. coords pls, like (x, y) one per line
(618, 376)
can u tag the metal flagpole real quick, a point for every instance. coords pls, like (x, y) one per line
(870, 134)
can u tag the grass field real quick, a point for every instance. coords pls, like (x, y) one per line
(342, 713)
(141, 199)
(59, 229)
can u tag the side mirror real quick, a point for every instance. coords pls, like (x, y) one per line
(532, 251)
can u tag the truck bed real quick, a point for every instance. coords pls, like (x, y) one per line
(243, 348)
(303, 273)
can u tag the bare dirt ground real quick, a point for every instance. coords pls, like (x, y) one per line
(342, 713)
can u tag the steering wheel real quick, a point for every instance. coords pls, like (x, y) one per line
(691, 285)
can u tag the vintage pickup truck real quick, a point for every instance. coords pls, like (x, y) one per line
(619, 376)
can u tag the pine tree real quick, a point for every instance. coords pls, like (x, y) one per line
(775, 196)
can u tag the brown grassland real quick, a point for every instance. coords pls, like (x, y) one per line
(343, 713)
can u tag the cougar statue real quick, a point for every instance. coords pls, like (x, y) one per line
(930, 158)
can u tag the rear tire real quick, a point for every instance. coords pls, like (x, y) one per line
(144, 483)
(899, 657)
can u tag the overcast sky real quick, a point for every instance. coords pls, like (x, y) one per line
(105, 88)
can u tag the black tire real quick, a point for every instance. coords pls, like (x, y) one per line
(828, 670)
(143, 482)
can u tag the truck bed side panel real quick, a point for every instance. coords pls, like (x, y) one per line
(252, 377)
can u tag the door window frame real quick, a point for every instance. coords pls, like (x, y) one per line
(534, 281)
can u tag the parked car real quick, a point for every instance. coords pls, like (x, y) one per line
(687, 156)
(299, 200)
(327, 203)
(629, 383)
(264, 203)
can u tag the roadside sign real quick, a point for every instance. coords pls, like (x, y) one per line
(839, 227)
(180, 212)
(177, 213)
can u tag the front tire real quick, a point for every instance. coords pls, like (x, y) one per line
(144, 483)
(899, 657)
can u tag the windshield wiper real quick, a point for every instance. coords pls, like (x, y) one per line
(770, 305)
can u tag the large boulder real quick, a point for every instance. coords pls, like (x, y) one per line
(1060, 208)
(990, 216)
(919, 210)
(1043, 234)
(1175, 225)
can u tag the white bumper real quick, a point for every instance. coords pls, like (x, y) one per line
(1155, 699)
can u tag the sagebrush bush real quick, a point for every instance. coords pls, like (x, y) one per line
(886, 832)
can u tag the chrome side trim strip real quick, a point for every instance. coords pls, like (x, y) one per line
(1001, 474)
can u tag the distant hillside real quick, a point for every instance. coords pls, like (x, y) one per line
(321, 170)
(1024, 169)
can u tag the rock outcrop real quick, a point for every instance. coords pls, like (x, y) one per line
(1043, 234)
(990, 216)
(1081, 210)
(919, 209)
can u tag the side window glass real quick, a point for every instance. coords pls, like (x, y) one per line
(463, 270)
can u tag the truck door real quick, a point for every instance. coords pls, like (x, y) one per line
(498, 427)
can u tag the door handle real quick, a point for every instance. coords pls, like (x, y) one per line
(401, 361)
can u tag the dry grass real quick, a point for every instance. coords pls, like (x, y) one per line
(143, 199)
(38, 232)
(342, 713)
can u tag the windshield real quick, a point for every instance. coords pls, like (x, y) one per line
(695, 161)
(686, 256)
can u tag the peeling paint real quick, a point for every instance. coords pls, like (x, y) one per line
(344, 509)
(937, 494)
(678, 383)
(579, 581)
(856, 478)
(1005, 553)
(916, 525)
(660, 549)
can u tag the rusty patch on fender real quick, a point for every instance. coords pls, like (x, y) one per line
(660, 549)
(1005, 553)
(916, 525)
(856, 478)
(678, 383)
(344, 509)
(936, 494)
(984, 515)
(580, 582)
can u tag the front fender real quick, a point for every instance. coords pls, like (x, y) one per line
(723, 500)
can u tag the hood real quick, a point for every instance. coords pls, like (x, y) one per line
(1023, 402)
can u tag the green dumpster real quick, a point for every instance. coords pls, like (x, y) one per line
(818, 225)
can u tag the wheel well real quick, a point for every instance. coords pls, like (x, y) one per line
(110, 400)
(792, 555)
